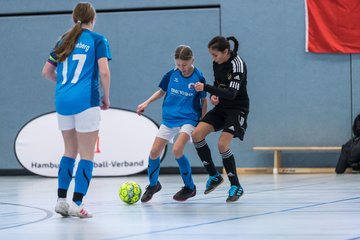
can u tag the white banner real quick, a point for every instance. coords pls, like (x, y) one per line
(123, 146)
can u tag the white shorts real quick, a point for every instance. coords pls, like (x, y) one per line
(170, 133)
(85, 121)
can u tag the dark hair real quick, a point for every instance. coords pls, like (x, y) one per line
(183, 52)
(221, 43)
(83, 13)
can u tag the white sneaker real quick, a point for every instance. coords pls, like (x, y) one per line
(78, 211)
(62, 207)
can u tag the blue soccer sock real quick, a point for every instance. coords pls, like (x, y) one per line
(82, 180)
(153, 171)
(185, 171)
(65, 174)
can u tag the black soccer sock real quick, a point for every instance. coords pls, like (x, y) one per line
(230, 167)
(78, 197)
(62, 193)
(204, 153)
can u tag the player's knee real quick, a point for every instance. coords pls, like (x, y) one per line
(196, 136)
(154, 153)
(222, 146)
(178, 152)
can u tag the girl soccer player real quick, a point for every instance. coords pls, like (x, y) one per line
(229, 95)
(75, 64)
(182, 109)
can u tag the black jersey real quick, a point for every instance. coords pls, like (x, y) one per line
(230, 84)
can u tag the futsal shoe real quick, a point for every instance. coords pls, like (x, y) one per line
(78, 211)
(235, 193)
(213, 182)
(184, 194)
(150, 191)
(62, 207)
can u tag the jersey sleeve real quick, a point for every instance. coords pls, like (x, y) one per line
(52, 57)
(102, 48)
(238, 74)
(165, 81)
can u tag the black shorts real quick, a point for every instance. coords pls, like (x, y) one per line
(229, 120)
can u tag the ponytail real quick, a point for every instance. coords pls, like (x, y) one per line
(84, 13)
(221, 43)
(236, 43)
(67, 42)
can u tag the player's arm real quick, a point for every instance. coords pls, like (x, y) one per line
(204, 104)
(158, 94)
(164, 83)
(104, 73)
(227, 93)
(204, 101)
(49, 71)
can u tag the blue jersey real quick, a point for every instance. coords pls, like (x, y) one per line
(182, 103)
(77, 84)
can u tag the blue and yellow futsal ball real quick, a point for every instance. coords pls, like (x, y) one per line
(130, 192)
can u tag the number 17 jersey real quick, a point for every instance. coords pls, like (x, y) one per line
(77, 84)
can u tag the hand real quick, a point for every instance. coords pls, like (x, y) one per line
(214, 100)
(141, 108)
(105, 103)
(199, 86)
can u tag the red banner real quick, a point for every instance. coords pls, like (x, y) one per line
(332, 26)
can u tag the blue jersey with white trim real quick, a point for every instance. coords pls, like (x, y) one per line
(77, 84)
(182, 103)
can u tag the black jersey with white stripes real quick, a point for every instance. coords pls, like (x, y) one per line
(230, 84)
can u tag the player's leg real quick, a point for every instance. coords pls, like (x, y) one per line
(154, 160)
(235, 126)
(189, 190)
(67, 162)
(66, 166)
(87, 127)
(84, 172)
(163, 136)
(202, 148)
(208, 124)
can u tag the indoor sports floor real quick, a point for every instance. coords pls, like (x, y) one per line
(288, 206)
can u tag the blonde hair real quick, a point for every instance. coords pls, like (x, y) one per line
(83, 13)
(183, 52)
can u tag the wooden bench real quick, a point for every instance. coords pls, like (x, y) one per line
(277, 157)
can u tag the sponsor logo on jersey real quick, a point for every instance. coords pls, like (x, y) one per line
(180, 92)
